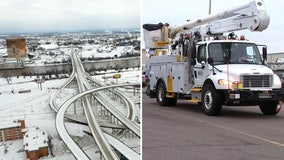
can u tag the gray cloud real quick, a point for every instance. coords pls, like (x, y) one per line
(46, 15)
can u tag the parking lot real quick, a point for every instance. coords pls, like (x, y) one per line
(185, 132)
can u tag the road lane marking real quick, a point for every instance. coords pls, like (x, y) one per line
(232, 129)
(242, 132)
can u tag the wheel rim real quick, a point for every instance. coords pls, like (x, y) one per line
(160, 95)
(208, 100)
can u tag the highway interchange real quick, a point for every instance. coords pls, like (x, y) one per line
(184, 132)
(94, 101)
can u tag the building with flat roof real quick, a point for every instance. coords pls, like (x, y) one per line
(11, 130)
(35, 143)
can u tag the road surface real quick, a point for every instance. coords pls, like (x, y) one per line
(184, 132)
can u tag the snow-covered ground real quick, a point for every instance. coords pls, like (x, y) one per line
(95, 51)
(34, 109)
(87, 51)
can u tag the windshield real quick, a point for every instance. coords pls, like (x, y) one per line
(234, 53)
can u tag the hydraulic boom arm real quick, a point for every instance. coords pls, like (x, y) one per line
(251, 16)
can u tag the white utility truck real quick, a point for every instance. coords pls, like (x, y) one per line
(197, 62)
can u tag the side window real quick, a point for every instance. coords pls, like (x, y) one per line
(250, 52)
(201, 55)
(252, 55)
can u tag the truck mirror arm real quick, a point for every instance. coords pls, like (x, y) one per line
(193, 62)
(202, 64)
(264, 53)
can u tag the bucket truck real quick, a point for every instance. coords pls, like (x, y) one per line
(198, 62)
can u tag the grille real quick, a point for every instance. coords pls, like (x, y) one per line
(257, 81)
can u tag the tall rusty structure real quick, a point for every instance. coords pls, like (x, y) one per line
(16, 47)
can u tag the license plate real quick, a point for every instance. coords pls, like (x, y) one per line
(264, 95)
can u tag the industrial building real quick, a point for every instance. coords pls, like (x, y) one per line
(276, 61)
(16, 47)
(16, 51)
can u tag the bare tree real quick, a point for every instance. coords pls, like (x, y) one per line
(7, 76)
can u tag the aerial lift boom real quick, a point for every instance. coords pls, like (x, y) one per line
(252, 16)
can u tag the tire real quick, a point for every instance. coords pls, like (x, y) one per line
(172, 101)
(161, 96)
(270, 108)
(212, 100)
(149, 92)
(152, 94)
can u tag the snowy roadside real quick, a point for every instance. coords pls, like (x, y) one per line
(33, 107)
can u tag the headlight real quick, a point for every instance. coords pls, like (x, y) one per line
(223, 82)
(235, 85)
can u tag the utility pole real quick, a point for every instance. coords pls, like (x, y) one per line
(209, 7)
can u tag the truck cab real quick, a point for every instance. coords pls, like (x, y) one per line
(232, 72)
(236, 61)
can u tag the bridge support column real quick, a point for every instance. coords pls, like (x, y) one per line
(74, 104)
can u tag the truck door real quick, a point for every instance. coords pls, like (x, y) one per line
(180, 77)
(201, 68)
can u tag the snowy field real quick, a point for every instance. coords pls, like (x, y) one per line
(34, 109)
(87, 51)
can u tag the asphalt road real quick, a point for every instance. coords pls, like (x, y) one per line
(184, 132)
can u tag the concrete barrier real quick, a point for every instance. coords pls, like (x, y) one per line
(65, 68)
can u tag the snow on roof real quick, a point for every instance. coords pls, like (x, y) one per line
(34, 139)
(5, 125)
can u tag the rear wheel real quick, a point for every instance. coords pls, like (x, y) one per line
(270, 108)
(149, 92)
(172, 101)
(161, 96)
(152, 94)
(212, 100)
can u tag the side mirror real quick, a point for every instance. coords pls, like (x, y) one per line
(264, 53)
(210, 60)
(193, 62)
(193, 52)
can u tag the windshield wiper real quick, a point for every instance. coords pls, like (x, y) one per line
(217, 68)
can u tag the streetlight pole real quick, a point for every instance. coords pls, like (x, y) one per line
(209, 7)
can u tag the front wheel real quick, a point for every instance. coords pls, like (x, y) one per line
(211, 100)
(270, 108)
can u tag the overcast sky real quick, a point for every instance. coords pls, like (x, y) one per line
(60, 15)
(178, 11)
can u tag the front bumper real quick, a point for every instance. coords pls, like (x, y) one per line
(254, 96)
